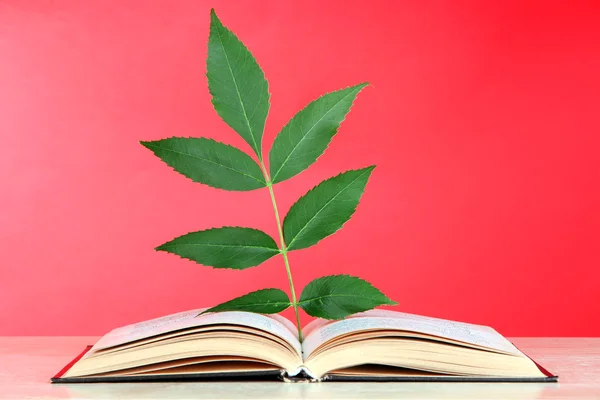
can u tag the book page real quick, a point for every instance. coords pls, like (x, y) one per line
(189, 319)
(320, 331)
(286, 322)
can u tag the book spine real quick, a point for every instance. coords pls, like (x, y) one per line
(300, 375)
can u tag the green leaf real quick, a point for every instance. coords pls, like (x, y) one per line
(308, 133)
(264, 301)
(212, 163)
(338, 296)
(226, 247)
(324, 209)
(240, 92)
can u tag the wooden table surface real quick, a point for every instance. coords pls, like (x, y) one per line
(27, 363)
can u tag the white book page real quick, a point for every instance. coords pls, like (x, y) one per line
(320, 331)
(189, 319)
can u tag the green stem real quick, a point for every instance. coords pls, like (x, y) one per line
(283, 249)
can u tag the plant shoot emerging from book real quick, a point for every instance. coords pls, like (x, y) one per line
(240, 95)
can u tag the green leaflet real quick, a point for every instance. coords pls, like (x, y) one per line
(306, 136)
(212, 163)
(264, 301)
(240, 92)
(226, 247)
(324, 209)
(338, 296)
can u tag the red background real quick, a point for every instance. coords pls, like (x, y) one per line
(482, 119)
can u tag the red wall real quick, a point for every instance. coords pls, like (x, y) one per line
(482, 119)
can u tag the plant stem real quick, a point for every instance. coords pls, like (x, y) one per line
(283, 248)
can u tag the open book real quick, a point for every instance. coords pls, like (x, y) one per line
(374, 345)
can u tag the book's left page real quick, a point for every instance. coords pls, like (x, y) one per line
(189, 345)
(276, 325)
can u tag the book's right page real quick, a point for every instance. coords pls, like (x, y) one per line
(321, 331)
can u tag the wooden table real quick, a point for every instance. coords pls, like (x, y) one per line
(26, 364)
